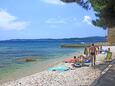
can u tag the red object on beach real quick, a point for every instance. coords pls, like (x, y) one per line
(72, 60)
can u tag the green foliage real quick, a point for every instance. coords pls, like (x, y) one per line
(99, 5)
(104, 11)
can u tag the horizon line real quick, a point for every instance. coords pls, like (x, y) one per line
(49, 38)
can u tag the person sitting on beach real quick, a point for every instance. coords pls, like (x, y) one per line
(92, 51)
(74, 59)
(82, 58)
(70, 60)
(79, 60)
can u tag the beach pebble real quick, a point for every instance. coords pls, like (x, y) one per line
(77, 77)
(83, 76)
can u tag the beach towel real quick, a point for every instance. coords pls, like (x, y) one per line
(61, 68)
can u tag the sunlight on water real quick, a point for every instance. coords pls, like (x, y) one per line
(44, 52)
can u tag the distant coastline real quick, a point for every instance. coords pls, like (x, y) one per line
(100, 38)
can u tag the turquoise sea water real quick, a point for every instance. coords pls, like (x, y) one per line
(44, 51)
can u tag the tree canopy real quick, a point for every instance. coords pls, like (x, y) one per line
(104, 11)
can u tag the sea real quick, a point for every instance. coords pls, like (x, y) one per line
(45, 52)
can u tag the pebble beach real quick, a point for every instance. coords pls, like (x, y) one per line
(78, 76)
(83, 76)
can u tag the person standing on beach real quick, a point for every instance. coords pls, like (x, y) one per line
(86, 51)
(92, 51)
(100, 49)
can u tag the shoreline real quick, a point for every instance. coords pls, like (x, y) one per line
(55, 78)
(79, 76)
(50, 63)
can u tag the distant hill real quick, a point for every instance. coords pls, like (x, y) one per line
(84, 39)
(88, 38)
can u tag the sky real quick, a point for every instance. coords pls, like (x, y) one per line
(34, 19)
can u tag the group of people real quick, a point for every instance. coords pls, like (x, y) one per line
(92, 51)
(89, 55)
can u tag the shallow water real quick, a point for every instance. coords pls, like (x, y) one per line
(46, 52)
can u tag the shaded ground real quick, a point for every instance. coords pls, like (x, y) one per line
(108, 79)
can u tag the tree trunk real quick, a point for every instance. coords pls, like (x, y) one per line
(111, 36)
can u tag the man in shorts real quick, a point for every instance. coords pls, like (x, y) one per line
(92, 51)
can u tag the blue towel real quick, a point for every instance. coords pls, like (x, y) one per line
(61, 68)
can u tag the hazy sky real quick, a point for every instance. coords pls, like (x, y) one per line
(33, 19)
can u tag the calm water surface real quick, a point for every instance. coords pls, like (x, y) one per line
(44, 51)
